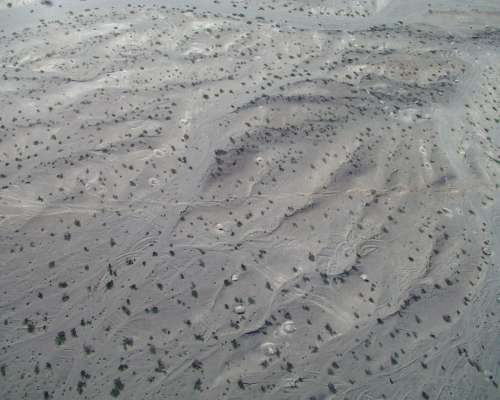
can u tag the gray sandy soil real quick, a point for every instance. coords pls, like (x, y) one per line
(250, 200)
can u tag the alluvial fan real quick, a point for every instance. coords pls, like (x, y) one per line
(250, 200)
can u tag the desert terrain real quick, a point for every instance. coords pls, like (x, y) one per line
(250, 200)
